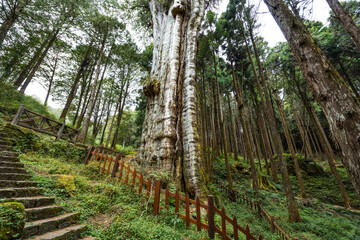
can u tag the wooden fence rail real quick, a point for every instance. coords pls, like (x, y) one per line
(37, 122)
(256, 206)
(185, 207)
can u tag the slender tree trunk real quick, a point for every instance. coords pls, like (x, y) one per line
(268, 108)
(222, 124)
(75, 84)
(10, 20)
(291, 147)
(170, 136)
(83, 133)
(38, 63)
(233, 130)
(346, 21)
(51, 80)
(112, 124)
(303, 135)
(28, 67)
(327, 86)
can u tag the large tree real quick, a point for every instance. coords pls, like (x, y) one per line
(327, 86)
(170, 138)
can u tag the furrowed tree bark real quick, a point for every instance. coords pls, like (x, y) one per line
(170, 136)
(327, 86)
(346, 21)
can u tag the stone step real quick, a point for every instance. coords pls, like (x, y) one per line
(8, 158)
(11, 164)
(71, 232)
(5, 142)
(9, 153)
(49, 224)
(12, 170)
(38, 213)
(34, 202)
(6, 148)
(15, 176)
(20, 192)
(89, 238)
(16, 184)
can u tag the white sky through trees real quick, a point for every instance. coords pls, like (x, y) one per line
(269, 30)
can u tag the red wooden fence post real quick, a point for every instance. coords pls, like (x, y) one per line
(134, 176)
(211, 217)
(223, 223)
(157, 197)
(167, 197)
(141, 182)
(121, 170)
(177, 201)
(148, 187)
(247, 232)
(127, 175)
(116, 165)
(187, 209)
(89, 154)
(272, 223)
(198, 214)
(259, 207)
(236, 234)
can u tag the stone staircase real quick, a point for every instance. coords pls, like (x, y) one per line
(44, 219)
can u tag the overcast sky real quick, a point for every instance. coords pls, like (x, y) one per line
(268, 29)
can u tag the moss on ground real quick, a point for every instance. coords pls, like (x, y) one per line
(12, 220)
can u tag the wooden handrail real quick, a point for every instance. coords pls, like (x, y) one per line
(40, 123)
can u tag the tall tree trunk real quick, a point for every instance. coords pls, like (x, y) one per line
(83, 133)
(20, 79)
(291, 147)
(222, 124)
(303, 134)
(327, 86)
(75, 84)
(51, 80)
(170, 136)
(233, 130)
(38, 63)
(10, 20)
(268, 109)
(346, 21)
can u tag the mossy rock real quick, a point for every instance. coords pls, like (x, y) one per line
(68, 182)
(12, 220)
(308, 166)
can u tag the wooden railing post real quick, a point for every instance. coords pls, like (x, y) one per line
(223, 224)
(59, 133)
(157, 197)
(211, 217)
(148, 187)
(18, 114)
(247, 232)
(121, 170)
(134, 176)
(141, 182)
(259, 207)
(235, 224)
(116, 165)
(198, 214)
(91, 149)
(272, 223)
(177, 201)
(167, 194)
(187, 210)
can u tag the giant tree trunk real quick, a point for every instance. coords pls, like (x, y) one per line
(327, 86)
(170, 136)
(346, 21)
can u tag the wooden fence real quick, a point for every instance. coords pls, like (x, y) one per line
(184, 206)
(43, 124)
(256, 206)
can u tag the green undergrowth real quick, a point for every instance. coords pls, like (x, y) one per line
(320, 219)
(110, 209)
(10, 101)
